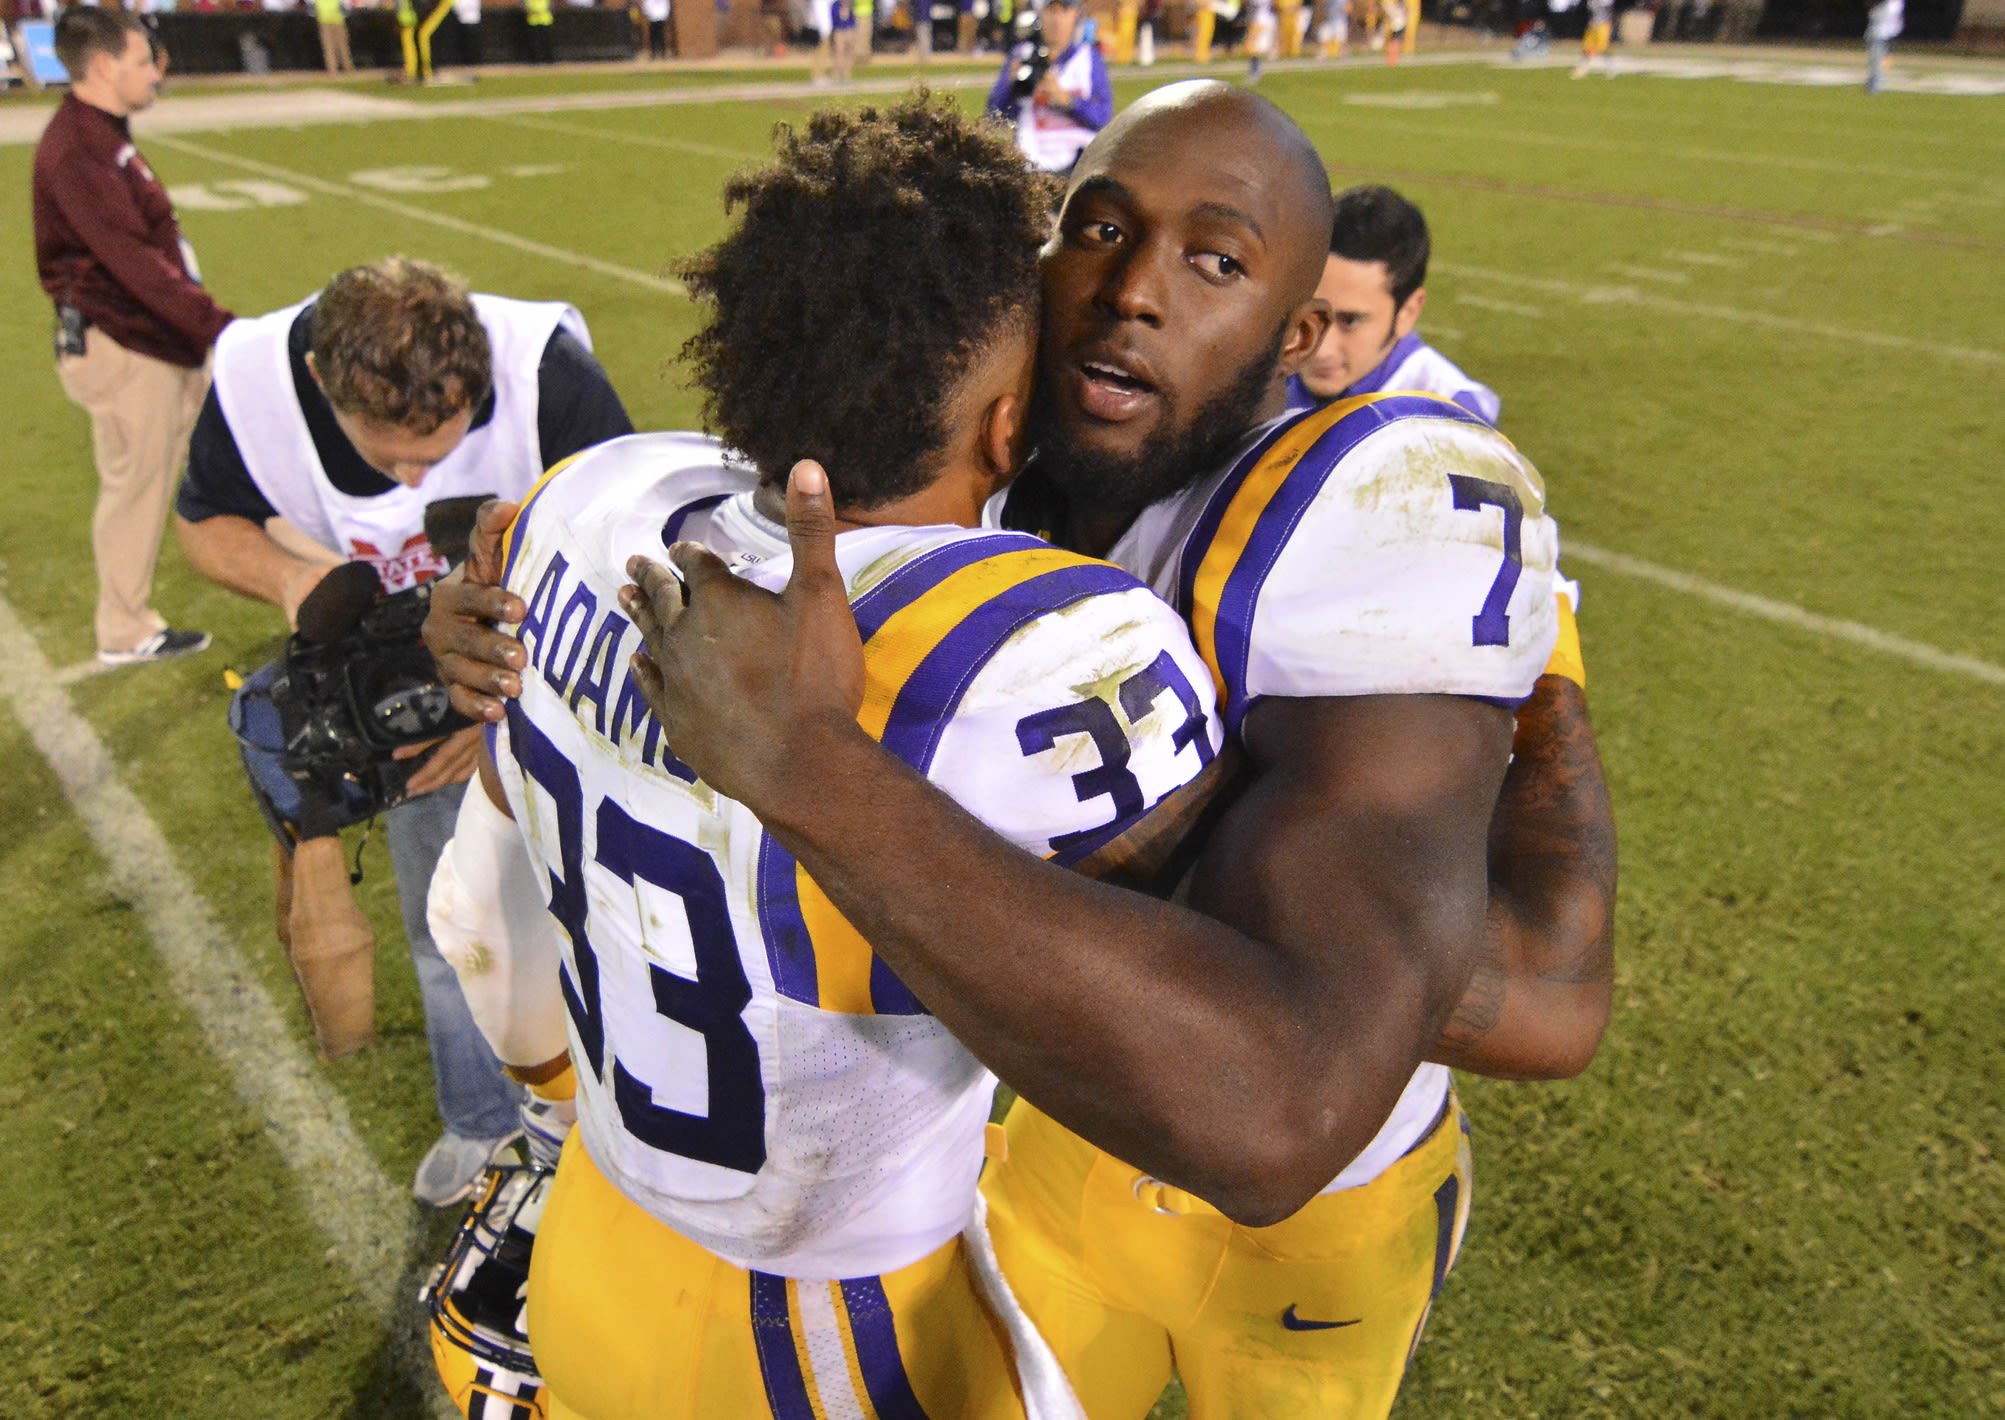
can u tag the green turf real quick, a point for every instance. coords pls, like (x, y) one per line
(1777, 1191)
(606, 79)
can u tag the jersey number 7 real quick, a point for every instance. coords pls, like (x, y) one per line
(1492, 625)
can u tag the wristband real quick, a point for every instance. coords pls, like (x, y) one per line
(1566, 660)
(552, 1080)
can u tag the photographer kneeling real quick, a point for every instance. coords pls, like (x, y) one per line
(331, 427)
(1054, 87)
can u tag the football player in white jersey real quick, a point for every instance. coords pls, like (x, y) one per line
(778, 1146)
(1270, 1055)
(1372, 587)
(1375, 281)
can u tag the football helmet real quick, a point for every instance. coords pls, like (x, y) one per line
(478, 1318)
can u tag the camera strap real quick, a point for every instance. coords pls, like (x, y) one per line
(355, 873)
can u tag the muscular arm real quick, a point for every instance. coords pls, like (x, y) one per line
(1247, 1065)
(1538, 999)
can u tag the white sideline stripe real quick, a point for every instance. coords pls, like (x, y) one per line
(1855, 633)
(292, 108)
(82, 670)
(349, 193)
(370, 1223)
(1650, 300)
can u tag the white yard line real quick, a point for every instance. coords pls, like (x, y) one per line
(1706, 258)
(638, 140)
(1491, 303)
(1739, 315)
(348, 193)
(1787, 614)
(305, 104)
(1645, 150)
(1760, 247)
(1648, 273)
(794, 89)
(369, 1221)
(765, 90)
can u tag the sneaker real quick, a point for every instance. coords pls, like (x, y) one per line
(454, 1165)
(160, 646)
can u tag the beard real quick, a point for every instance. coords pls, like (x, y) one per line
(1169, 460)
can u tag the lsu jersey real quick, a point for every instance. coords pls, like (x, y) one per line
(1382, 545)
(750, 1073)
(1412, 364)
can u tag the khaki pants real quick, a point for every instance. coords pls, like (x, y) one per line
(141, 412)
(334, 48)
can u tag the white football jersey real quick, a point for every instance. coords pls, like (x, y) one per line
(1387, 545)
(1413, 364)
(750, 1072)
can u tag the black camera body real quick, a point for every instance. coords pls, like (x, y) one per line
(1031, 69)
(321, 726)
(347, 705)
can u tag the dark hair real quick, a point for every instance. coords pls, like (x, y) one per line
(399, 342)
(1377, 224)
(874, 259)
(84, 30)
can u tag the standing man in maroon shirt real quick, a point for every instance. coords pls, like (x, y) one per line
(133, 325)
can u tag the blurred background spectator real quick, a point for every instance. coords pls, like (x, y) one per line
(655, 12)
(1054, 84)
(134, 326)
(332, 17)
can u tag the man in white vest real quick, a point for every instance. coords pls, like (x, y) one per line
(331, 425)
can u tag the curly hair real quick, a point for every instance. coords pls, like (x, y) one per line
(399, 342)
(874, 259)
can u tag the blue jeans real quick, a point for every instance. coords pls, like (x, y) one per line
(476, 1100)
(1877, 51)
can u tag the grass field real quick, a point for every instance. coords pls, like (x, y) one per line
(1754, 335)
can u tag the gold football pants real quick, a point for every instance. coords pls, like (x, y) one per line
(629, 1320)
(1128, 1278)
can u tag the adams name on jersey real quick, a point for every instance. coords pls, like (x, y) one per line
(750, 1073)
